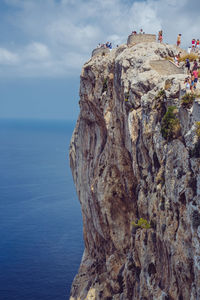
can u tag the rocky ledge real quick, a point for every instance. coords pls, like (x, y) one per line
(135, 161)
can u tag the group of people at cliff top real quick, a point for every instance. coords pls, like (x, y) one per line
(160, 38)
(192, 79)
(195, 42)
(140, 32)
(106, 45)
(195, 46)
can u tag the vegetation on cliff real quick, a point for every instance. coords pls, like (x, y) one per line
(170, 125)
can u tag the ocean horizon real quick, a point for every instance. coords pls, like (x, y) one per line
(40, 215)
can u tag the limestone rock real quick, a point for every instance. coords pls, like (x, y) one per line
(124, 169)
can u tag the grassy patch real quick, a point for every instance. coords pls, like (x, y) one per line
(142, 223)
(160, 95)
(191, 56)
(187, 100)
(198, 129)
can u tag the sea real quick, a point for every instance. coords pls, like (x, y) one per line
(41, 239)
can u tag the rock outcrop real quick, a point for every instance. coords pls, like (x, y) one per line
(126, 166)
(100, 51)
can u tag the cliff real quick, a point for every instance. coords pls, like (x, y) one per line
(135, 160)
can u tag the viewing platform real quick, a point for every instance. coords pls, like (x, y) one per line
(134, 39)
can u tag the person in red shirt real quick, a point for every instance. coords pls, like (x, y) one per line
(193, 44)
(196, 75)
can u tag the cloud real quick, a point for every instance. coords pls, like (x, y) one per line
(8, 58)
(37, 52)
(55, 37)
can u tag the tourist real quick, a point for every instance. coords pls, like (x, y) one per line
(187, 84)
(197, 45)
(179, 40)
(176, 60)
(187, 64)
(134, 32)
(193, 45)
(195, 73)
(189, 50)
(141, 31)
(160, 36)
(195, 65)
(192, 83)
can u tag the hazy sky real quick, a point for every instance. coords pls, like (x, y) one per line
(44, 43)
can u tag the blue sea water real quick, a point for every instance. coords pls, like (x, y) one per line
(40, 220)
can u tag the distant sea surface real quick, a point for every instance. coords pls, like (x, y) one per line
(40, 220)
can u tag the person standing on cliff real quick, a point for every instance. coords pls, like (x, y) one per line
(197, 45)
(178, 40)
(195, 73)
(187, 64)
(193, 45)
(195, 65)
(160, 36)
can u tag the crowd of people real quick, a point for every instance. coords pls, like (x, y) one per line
(195, 47)
(106, 45)
(192, 80)
(140, 32)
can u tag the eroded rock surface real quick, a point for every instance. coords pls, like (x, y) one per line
(125, 170)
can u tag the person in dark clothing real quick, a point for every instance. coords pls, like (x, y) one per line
(187, 64)
(195, 66)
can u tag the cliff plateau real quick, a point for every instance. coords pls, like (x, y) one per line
(125, 169)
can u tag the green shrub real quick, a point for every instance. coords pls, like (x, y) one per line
(198, 129)
(105, 85)
(170, 124)
(160, 95)
(126, 97)
(142, 223)
(187, 100)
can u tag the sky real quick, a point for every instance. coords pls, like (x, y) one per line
(44, 43)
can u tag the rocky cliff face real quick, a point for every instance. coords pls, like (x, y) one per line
(127, 166)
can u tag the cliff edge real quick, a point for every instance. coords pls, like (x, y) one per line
(135, 161)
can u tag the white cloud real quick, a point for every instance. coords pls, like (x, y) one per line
(57, 36)
(7, 57)
(37, 51)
